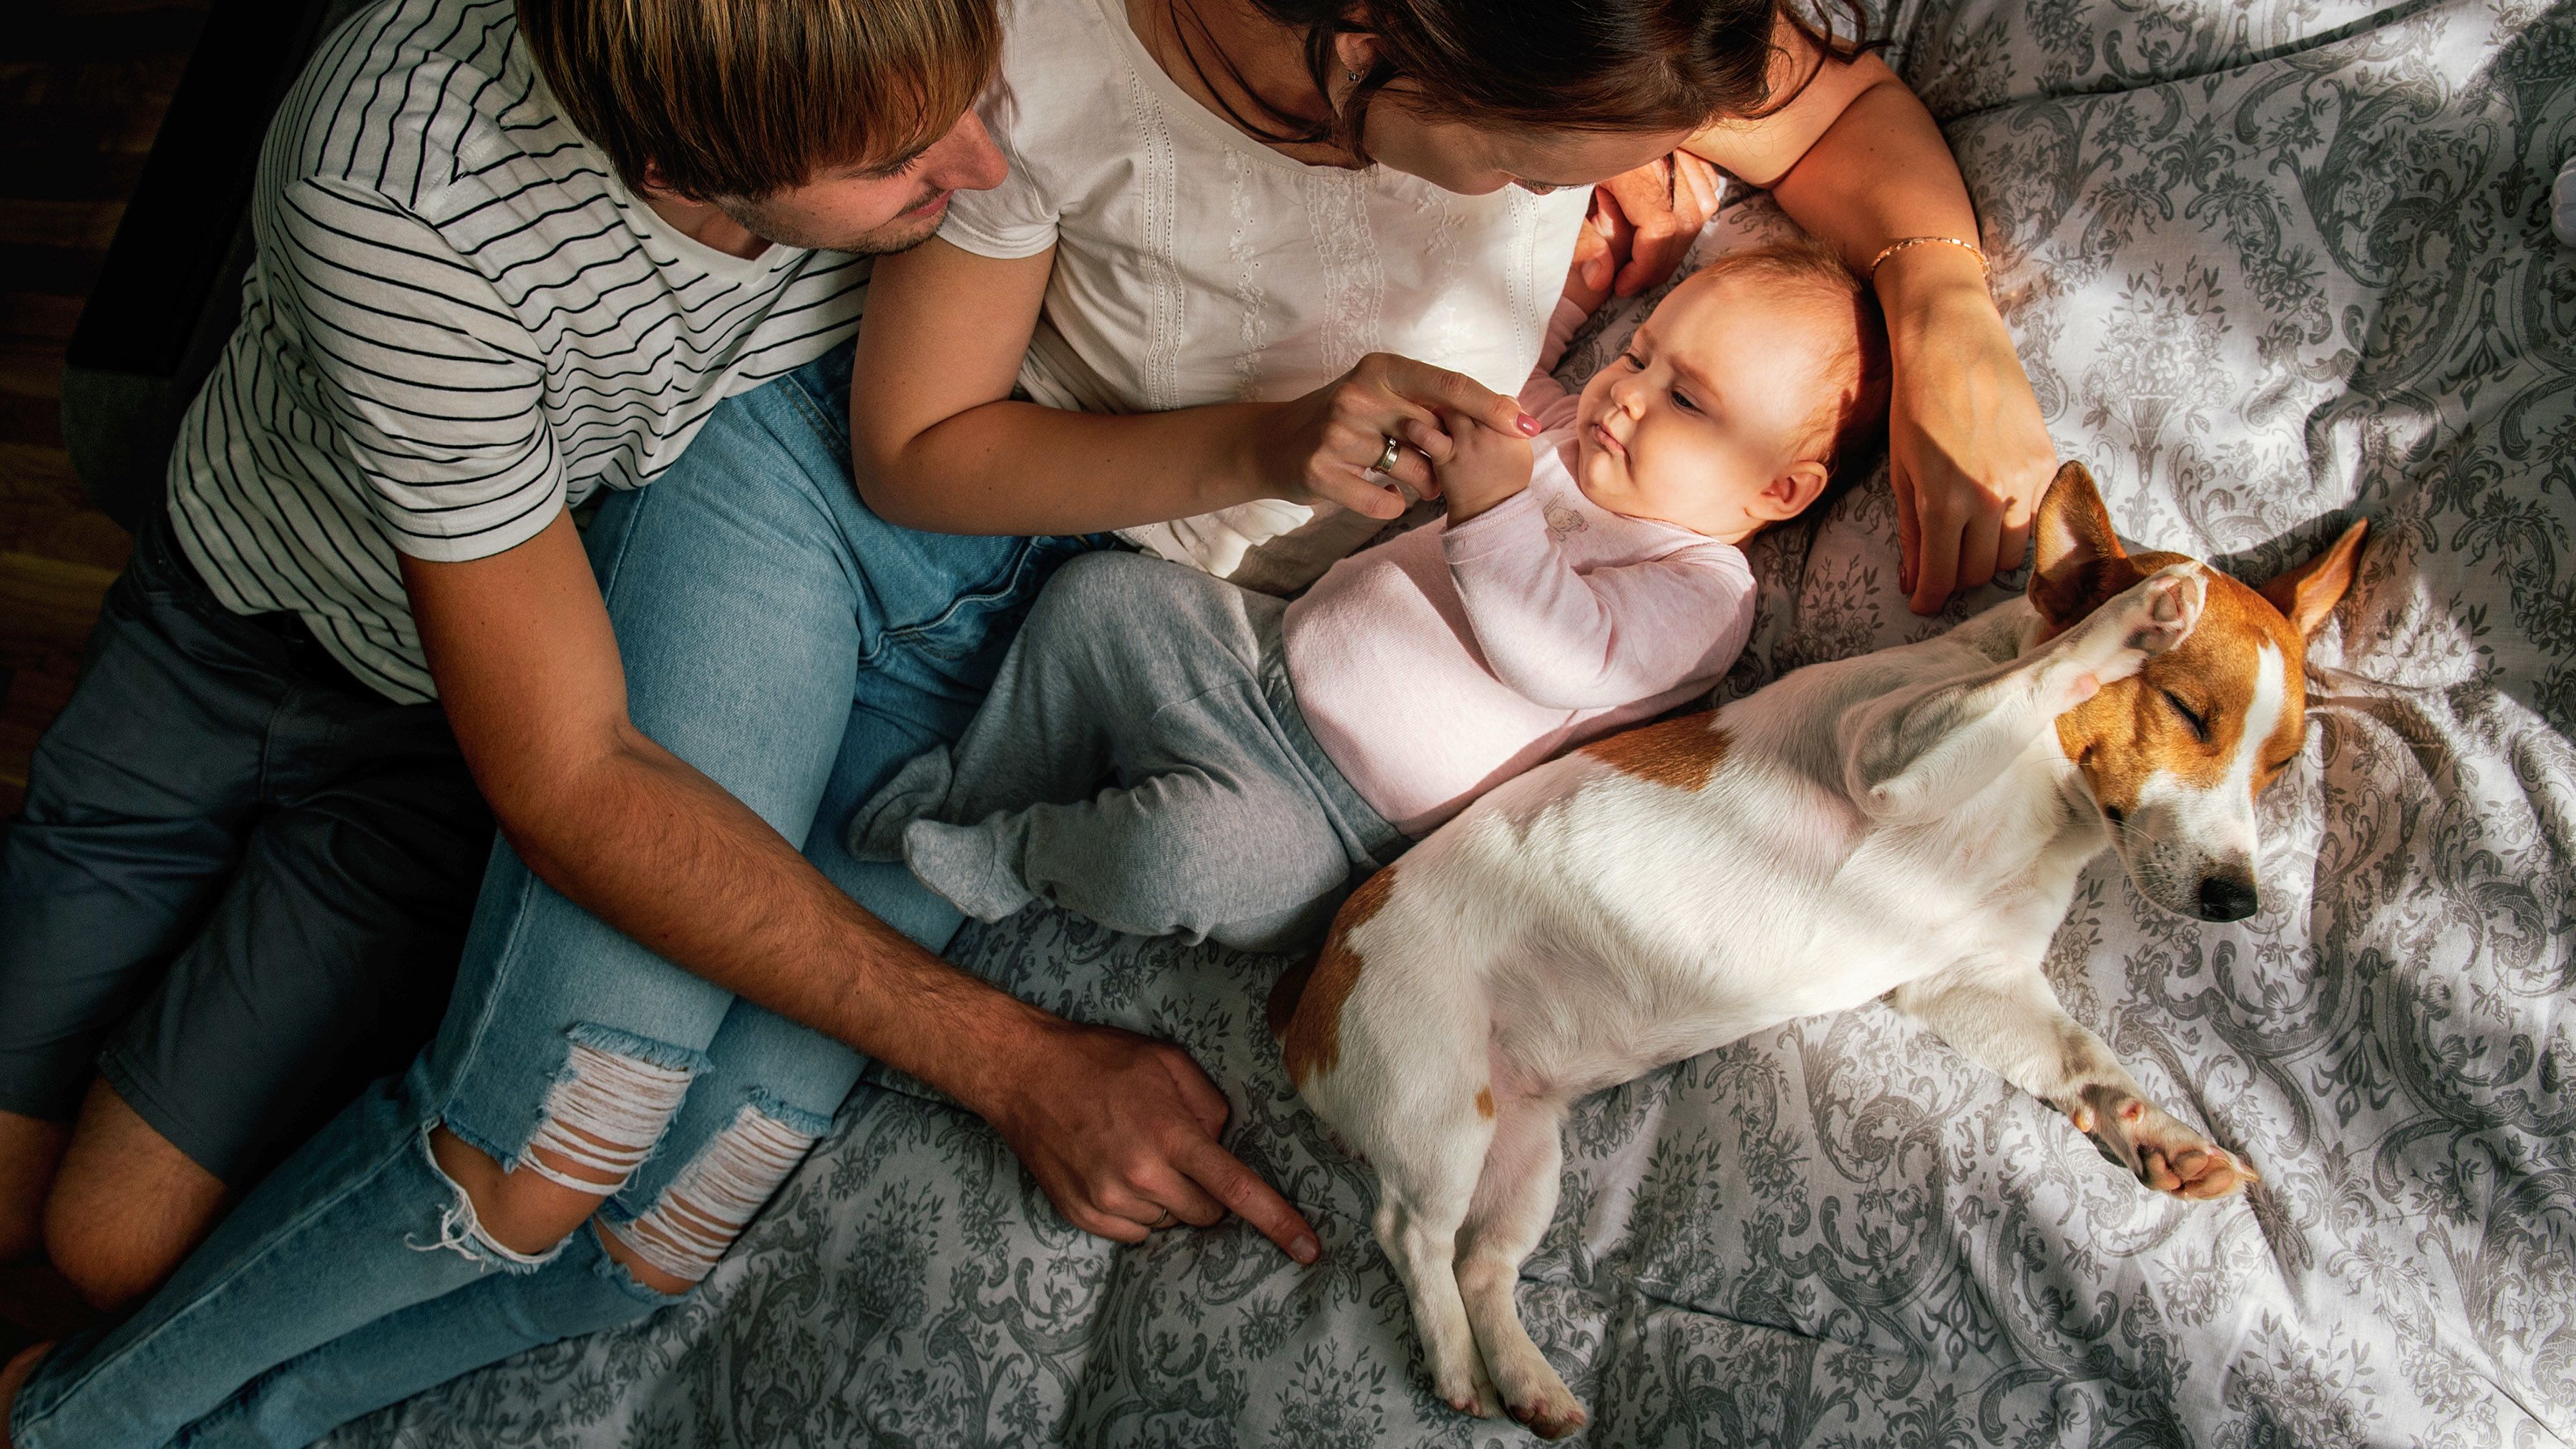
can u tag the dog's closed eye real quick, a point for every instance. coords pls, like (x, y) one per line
(2199, 723)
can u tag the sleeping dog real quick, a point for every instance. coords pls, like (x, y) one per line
(1907, 824)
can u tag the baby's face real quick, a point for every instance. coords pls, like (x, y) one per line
(1708, 419)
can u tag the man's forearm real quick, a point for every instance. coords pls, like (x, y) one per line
(1016, 467)
(657, 850)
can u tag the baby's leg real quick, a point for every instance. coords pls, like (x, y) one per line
(1215, 835)
(1040, 734)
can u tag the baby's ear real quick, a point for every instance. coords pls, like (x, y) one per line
(1793, 492)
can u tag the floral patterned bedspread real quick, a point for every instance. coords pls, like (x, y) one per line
(2272, 264)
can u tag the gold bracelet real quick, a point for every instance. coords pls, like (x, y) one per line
(1892, 248)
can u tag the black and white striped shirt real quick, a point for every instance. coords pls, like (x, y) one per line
(459, 323)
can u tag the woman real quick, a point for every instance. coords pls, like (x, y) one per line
(1219, 269)
(1186, 228)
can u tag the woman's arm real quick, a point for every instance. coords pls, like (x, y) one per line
(937, 443)
(1858, 162)
(1114, 1126)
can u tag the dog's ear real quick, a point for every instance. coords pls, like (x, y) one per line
(2309, 592)
(2077, 563)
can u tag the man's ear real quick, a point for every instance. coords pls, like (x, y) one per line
(1792, 493)
(2076, 558)
(2309, 592)
(654, 183)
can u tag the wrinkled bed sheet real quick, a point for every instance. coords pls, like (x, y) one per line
(2272, 264)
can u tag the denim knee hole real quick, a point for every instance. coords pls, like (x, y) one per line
(608, 1107)
(707, 1206)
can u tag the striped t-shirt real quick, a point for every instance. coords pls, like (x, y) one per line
(459, 323)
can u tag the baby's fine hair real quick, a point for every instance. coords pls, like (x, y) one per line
(1851, 423)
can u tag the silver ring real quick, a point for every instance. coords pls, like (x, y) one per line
(1168, 1219)
(1386, 461)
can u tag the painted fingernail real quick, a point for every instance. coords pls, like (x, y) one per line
(1527, 424)
(1306, 1250)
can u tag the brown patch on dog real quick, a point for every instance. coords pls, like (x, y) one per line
(1484, 1101)
(1310, 1027)
(1682, 752)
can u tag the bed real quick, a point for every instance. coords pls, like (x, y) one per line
(2272, 264)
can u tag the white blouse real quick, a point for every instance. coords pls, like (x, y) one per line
(1194, 265)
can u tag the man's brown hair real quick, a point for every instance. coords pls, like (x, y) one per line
(750, 97)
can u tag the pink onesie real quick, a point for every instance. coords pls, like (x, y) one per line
(1444, 661)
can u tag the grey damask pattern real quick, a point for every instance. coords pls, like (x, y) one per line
(2272, 263)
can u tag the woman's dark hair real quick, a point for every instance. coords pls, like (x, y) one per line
(1584, 65)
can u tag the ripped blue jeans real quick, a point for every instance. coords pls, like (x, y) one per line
(796, 649)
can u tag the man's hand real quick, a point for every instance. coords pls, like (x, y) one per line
(1483, 468)
(1121, 1132)
(1643, 221)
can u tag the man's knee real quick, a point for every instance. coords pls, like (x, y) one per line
(126, 1204)
(603, 1116)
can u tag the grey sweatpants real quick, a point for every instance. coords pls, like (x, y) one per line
(1141, 762)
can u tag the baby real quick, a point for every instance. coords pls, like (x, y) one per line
(1167, 753)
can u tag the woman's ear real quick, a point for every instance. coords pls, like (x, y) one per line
(1792, 493)
(1357, 52)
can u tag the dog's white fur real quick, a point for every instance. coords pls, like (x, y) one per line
(1903, 824)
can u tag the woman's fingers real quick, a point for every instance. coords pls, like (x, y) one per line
(2012, 545)
(1354, 490)
(1909, 530)
(1667, 211)
(1980, 535)
(1440, 390)
(1706, 186)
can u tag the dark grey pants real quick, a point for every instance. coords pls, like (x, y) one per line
(240, 881)
(1141, 762)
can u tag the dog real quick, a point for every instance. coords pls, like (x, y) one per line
(1907, 824)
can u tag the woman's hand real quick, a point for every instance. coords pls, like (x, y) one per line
(1968, 455)
(1641, 225)
(1325, 446)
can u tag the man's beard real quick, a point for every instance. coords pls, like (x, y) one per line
(901, 234)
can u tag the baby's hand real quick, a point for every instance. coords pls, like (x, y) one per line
(1484, 467)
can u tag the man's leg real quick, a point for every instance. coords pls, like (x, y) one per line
(137, 800)
(31, 1149)
(754, 602)
(325, 963)
(126, 1205)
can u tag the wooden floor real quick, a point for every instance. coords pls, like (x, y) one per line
(83, 84)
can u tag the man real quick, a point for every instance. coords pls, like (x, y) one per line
(507, 264)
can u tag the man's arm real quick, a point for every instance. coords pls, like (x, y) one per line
(1117, 1128)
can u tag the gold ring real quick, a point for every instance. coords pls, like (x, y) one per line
(1386, 460)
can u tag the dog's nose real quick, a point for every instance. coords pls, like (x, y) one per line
(2226, 897)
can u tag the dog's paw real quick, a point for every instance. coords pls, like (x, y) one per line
(1552, 1416)
(2163, 1153)
(2165, 606)
(1471, 1392)
(2149, 618)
